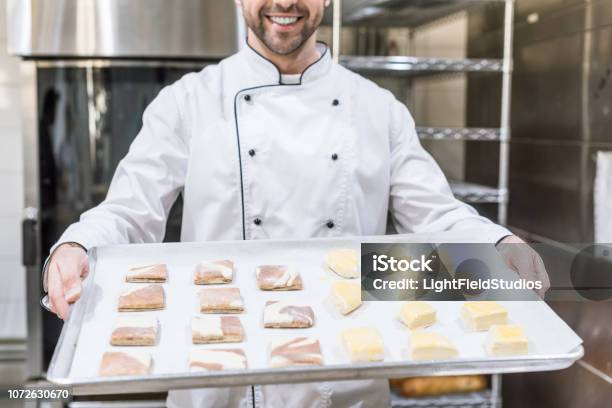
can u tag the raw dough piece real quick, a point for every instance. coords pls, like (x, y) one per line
(346, 296)
(507, 340)
(363, 344)
(278, 277)
(149, 273)
(287, 315)
(426, 345)
(299, 351)
(214, 272)
(125, 363)
(221, 300)
(417, 314)
(481, 315)
(138, 297)
(217, 359)
(216, 329)
(345, 262)
(130, 330)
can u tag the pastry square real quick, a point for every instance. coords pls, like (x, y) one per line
(278, 277)
(507, 340)
(216, 329)
(217, 359)
(287, 315)
(148, 273)
(221, 300)
(426, 345)
(299, 351)
(132, 330)
(417, 314)
(346, 296)
(363, 344)
(149, 297)
(125, 363)
(214, 272)
(481, 315)
(344, 262)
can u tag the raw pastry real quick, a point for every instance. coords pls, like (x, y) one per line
(287, 315)
(346, 296)
(278, 277)
(426, 345)
(363, 344)
(214, 272)
(217, 359)
(135, 331)
(221, 300)
(506, 340)
(298, 351)
(417, 314)
(216, 329)
(149, 273)
(125, 363)
(481, 315)
(344, 262)
(149, 297)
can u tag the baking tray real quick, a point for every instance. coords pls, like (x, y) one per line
(86, 333)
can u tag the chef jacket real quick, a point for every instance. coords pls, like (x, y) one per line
(330, 155)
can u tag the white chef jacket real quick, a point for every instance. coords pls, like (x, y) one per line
(332, 155)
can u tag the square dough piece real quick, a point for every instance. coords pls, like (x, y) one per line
(481, 315)
(431, 346)
(299, 351)
(344, 262)
(507, 340)
(221, 300)
(278, 277)
(288, 315)
(417, 314)
(125, 363)
(216, 329)
(134, 331)
(148, 273)
(214, 272)
(217, 359)
(149, 297)
(346, 296)
(363, 344)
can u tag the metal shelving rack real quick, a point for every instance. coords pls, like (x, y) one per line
(371, 12)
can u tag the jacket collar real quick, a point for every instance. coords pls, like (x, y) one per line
(264, 72)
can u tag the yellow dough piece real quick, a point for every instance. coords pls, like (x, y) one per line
(417, 314)
(507, 340)
(431, 346)
(480, 316)
(344, 262)
(346, 296)
(363, 344)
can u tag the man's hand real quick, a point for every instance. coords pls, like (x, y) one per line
(67, 267)
(525, 261)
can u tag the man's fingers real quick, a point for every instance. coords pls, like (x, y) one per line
(541, 274)
(56, 292)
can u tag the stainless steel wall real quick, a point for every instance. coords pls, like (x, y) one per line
(561, 115)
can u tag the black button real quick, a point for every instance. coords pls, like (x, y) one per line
(334, 156)
(336, 102)
(251, 152)
(257, 221)
(247, 98)
(330, 224)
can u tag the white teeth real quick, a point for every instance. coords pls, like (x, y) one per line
(284, 20)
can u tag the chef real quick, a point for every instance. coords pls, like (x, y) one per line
(276, 141)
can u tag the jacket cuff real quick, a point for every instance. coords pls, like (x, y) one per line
(45, 267)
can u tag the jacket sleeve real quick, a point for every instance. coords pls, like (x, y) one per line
(146, 182)
(421, 200)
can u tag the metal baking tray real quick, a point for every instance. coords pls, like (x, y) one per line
(86, 333)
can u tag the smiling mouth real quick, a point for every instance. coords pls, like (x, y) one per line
(284, 20)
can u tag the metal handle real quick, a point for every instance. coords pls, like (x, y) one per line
(29, 228)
